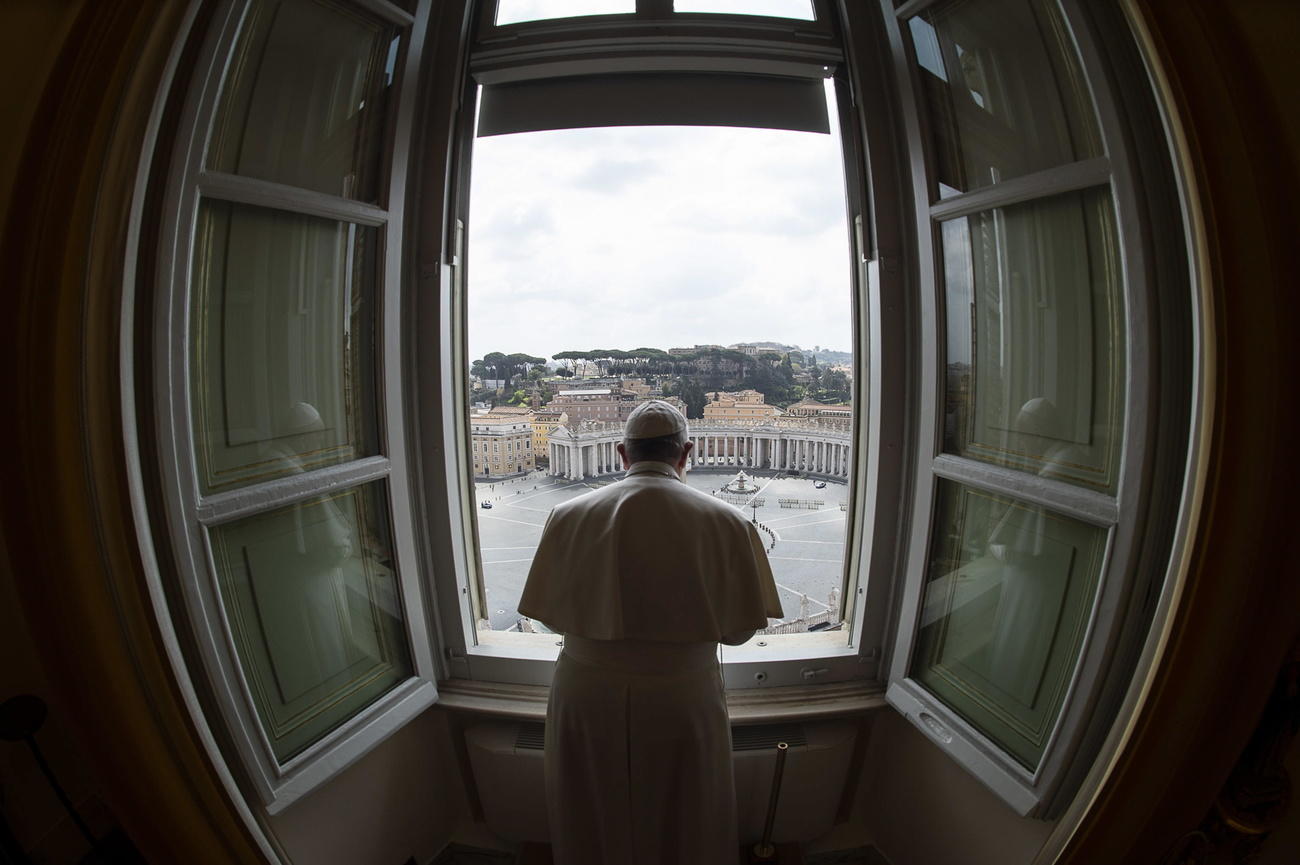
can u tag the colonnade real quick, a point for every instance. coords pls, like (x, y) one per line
(580, 454)
(580, 459)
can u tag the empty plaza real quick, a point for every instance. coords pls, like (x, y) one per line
(805, 542)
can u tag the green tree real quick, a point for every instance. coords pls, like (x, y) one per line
(495, 361)
(693, 395)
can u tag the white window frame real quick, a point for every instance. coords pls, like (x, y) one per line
(279, 783)
(1117, 619)
(653, 39)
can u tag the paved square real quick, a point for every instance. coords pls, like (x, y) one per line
(806, 545)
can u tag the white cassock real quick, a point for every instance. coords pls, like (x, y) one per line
(644, 577)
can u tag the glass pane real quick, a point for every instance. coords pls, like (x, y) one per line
(515, 11)
(1002, 85)
(282, 342)
(313, 604)
(1007, 600)
(306, 98)
(801, 9)
(1035, 335)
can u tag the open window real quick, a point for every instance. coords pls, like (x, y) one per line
(1021, 338)
(665, 103)
(284, 467)
(1039, 535)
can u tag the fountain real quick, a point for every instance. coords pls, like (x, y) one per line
(741, 483)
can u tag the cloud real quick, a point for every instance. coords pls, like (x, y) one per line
(612, 176)
(657, 236)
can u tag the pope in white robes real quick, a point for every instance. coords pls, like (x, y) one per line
(644, 578)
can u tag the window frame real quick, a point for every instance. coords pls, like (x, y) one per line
(278, 783)
(1123, 594)
(646, 40)
(896, 310)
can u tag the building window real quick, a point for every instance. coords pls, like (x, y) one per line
(1009, 343)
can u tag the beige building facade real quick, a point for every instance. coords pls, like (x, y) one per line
(599, 404)
(544, 423)
(745, 405)
(501, 445)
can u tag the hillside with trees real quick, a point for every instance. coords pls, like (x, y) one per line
(783, 378)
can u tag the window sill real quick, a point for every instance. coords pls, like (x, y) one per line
(744, 706)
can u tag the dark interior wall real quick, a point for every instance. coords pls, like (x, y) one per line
(1228, 71)
(29, 806)
(403, 799)
(921, 808)
(79, 85)
(30, 40)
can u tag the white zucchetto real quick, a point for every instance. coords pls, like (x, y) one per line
(652, 419)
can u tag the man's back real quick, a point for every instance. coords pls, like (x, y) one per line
(649, 558)
(644, 578)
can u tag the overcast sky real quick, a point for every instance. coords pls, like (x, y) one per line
(661, 236)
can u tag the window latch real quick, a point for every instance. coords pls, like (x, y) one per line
(810, 673)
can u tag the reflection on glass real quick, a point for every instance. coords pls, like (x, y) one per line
(282, 343)
(516, 11)
(801, 9)
(1035, 338)
(313, 603)
(305, 100)
(1003, 88)
(1007, 599)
